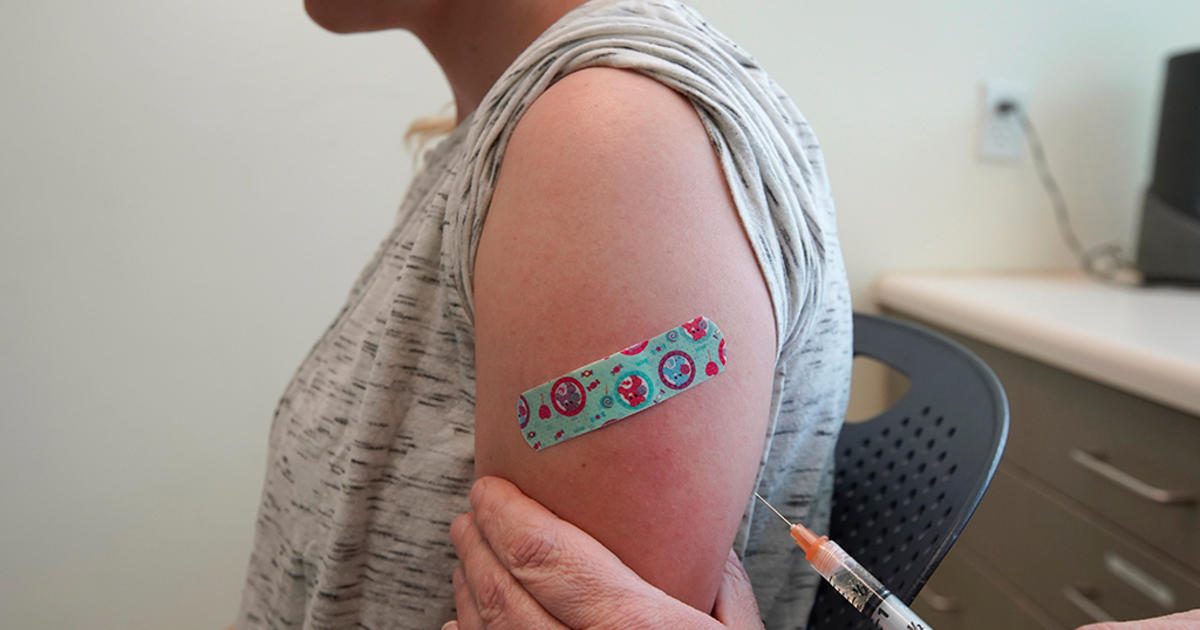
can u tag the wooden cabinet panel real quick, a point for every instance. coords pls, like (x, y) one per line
(1091, 513)
(1106, 449)
(1095, 511)
(1072, 567)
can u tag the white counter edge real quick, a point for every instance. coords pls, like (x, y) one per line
(1125, 367)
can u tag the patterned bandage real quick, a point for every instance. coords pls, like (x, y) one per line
(621, 384)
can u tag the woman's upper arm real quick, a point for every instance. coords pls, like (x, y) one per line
(611, 223)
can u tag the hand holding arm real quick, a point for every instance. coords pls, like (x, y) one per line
(523, 567)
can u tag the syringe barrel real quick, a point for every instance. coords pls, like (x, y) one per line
(892, 614)
(863, 591)
(848, 577)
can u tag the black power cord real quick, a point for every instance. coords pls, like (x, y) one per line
(1106, 262)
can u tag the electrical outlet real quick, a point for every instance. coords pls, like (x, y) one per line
(1001, 136)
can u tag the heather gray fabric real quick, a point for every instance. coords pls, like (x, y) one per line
(371, 448)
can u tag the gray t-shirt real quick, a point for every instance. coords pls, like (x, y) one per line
(371, 447)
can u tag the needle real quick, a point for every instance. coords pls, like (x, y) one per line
(804, 537)
(773, 509)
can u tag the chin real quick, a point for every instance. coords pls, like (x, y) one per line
(348, 16)
(326, 14)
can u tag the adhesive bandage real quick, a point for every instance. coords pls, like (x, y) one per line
(621, 384)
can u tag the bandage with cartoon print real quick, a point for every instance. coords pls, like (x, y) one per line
(621, 384)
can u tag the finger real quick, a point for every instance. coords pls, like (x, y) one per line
(500, 601)
(464, 605)
(574, 577)
(450, 625)
(736, 606)
(1185, 620)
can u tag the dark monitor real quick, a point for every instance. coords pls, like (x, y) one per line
(1169, 243)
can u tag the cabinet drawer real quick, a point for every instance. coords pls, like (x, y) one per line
(1073, 568)
(1118, 454)
(965, 595)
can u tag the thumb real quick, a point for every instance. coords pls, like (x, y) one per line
(736, 607)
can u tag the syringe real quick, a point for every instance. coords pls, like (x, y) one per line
(849, 578)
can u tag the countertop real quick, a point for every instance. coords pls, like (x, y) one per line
(1143, 340)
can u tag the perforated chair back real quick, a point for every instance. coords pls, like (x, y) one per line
(908, 480)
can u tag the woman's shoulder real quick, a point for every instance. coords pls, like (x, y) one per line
(611, 108)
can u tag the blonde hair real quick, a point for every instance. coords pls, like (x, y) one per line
(427, 128)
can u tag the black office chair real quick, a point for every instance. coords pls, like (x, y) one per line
(908, 480)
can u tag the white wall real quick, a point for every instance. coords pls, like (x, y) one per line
(892, 90)
(188, 189)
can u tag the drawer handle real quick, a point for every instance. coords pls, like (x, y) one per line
(1096, 464)
(1084, 603)
(939, 602)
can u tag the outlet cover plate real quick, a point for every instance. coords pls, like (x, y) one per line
(1001, 136)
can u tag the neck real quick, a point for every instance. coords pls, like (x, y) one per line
(474, 42)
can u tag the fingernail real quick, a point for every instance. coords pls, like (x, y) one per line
(477, 492)
(458, 578)
(456, 527)
(450, 625)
